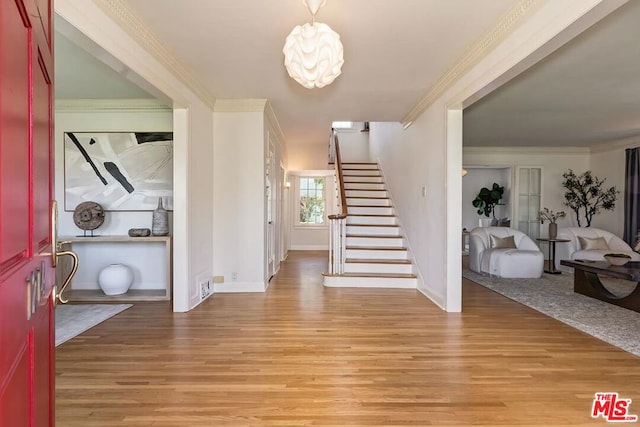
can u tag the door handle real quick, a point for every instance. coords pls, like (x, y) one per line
(56, 251)
(74, 269)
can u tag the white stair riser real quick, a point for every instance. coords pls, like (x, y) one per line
(358, 219)
(363, 186)
(376, 254)
(387, 231)
(368, 202)
(358, 172)
(358, 267)
(370, 282)
(374, 210)
(359, 166)
(362, 179)
(397, 242)
(366, 193)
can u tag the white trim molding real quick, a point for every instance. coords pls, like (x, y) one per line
(120, 105)
(238, 287)
(524, 150)
(620, 144)
(309, 248)
(471, 57)
(120, 12)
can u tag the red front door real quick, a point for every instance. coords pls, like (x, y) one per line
(26, 176)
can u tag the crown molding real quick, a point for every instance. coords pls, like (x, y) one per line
(619, 144)
(133, 26)
(249, 105)
(273, 123)
(110, 105)
(526, 150)
(255, 105)
(472, 57)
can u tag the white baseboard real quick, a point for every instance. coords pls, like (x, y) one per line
(437, 299)
(233, 287)
(309, 248)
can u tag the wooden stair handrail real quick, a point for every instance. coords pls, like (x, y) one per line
(343, 194)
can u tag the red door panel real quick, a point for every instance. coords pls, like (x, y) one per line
(14, 150)
(27, 326)
(16, 391)
(41, 154)
(43, 366)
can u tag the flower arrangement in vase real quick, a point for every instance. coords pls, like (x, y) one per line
(551, 216)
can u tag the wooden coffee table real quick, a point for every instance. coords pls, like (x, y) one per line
(587, 282)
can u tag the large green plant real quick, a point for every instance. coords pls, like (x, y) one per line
(585, 193)
(488, 199)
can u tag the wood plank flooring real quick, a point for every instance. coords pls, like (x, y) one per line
(304, 355)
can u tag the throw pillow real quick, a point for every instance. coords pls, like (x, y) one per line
(503, 242)
(597, 243)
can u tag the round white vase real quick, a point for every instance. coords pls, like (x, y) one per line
(115, 279)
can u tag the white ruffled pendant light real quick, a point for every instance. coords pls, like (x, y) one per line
(313, 53)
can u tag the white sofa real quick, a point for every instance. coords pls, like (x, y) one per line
(524, 261)
(574, 249)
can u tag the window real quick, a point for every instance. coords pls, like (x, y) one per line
(529, 185)
(312, 206)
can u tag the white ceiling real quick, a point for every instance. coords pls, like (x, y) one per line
(586, 92)
(80, 75)
(394, 51)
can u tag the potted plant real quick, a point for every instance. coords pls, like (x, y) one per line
(551, 216)
(585, 193)
(488, 199)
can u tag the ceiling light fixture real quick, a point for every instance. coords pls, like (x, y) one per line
(313, 53)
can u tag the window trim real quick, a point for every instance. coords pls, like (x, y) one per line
(297, 223)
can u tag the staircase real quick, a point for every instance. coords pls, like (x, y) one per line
(376, 254)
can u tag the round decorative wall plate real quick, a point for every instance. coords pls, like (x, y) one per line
(88, 215)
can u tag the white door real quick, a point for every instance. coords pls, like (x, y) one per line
(271, 213)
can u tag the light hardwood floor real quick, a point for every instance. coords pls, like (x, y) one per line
(301, 354)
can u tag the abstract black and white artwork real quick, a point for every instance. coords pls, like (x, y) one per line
(122, 171)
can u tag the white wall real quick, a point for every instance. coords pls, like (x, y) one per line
(239, 197)
(304, 237)
(307, 156)
(408, 161)
(473, 182)
(111, 116)
(122, 41)
(429, 152)
(553, 161)
(609, 161)
(105, 116)
(354, 145)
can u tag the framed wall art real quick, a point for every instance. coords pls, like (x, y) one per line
(122, 171)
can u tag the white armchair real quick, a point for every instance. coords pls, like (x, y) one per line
(590, 243)
(491, 252)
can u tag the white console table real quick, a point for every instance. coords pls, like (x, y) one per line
(96, 295)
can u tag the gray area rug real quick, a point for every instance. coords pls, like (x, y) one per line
(74, 319)
(553, 295)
